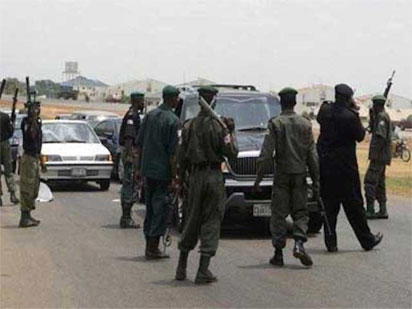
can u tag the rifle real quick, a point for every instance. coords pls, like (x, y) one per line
(323, 214)
(211, 112)
(3, 85)
(388, 85)
(172, 200)
(13, 108)
(385, 94)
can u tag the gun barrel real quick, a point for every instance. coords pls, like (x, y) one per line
(16, 93)
(207, 107)
(28, 88)
(3, 85)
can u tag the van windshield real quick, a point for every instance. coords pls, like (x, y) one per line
(249, 111)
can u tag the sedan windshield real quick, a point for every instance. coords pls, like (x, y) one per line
(68, 133)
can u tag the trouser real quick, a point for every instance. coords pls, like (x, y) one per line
(205, 211)
(29, 181)
(375, 188)
(289, 197)
(157, 207)
(128, 191)
(6, 161)
(356, 216)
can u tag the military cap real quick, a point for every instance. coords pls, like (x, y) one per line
(288, 90)
(379, 99)
(207, 89)
(136, 94)
(344, 90)
(170, 91)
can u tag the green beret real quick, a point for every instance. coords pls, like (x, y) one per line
(136, 94)
(170, 91)
(288, 90)
(207, 89)
(344, 90)
(379, 99)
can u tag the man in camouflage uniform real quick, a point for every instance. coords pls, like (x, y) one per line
(157, 142)
(6, 132)
(129, 131)
(291, 146)
(30, 164)
(205, 143)
(379, 156)
(340, 129)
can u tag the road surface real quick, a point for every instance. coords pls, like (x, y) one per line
(78, 257)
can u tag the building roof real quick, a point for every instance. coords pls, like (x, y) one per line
(83, 81)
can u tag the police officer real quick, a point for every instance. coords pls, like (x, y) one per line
(205, 143)
(127, 140)
(379, 155)
(157, 142)
(30, 164)
(291, 147)
(6, 132)
(340, 129)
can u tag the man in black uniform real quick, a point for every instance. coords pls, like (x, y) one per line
(6, 132)
(127, 140)
(340, 129)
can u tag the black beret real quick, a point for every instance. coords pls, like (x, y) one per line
(207, 89)
(288, 90)
(344, 90)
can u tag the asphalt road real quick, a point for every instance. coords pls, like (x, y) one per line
(78, 257)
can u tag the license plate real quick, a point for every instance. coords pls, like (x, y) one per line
(262, 210)
(78, 172)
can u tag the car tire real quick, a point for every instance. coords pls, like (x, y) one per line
(104, 184)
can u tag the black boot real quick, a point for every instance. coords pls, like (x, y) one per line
(13, 198)
(26, 221)
(300, 253)
(126, 221)
(204, 275)
(370, 210)
(1, 202)
(331, 243)
(376, 240)
(383, 213)
(152, 249)
(181, 266)
(277, 259)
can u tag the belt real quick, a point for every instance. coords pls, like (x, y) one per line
(206, 165)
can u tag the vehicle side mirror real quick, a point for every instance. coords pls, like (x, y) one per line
(103, 140)
(108, 134)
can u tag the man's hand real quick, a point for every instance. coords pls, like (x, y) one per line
(230, 123)
(43, 168)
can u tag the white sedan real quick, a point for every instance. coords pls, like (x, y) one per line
(72, 151)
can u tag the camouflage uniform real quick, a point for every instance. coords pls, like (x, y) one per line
(30, 169)
(5, 154)
(379, 156)
(127, 140)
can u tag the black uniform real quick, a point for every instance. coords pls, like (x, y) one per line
(340, 129)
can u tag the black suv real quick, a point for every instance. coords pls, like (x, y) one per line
(251, 111)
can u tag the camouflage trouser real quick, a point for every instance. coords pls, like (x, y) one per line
(205, 211)
(128, 192)
(157, 207)
(375, 188)
(29, 181)
(6, 161)
(289, 197)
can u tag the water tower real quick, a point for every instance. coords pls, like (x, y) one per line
(71, 70)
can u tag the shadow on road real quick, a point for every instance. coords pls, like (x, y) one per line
(140, 259)
(73, 187)
(175, 283)
(269, 266)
